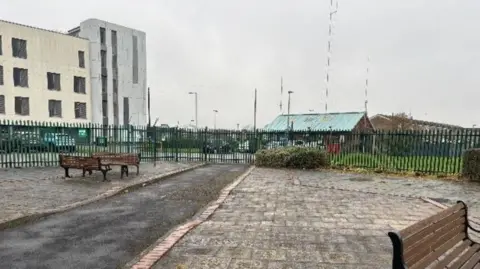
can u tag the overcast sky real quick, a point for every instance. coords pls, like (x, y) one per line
(425, 54)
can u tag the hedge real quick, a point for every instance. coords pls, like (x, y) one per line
(291, 157)
(471, 164)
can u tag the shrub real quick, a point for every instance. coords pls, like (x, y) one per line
(471, 164)
(291, 157)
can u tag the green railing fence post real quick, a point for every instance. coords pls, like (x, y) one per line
(176, 144)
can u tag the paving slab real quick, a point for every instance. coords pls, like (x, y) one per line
(443, 191)
(268, 222)
(26, 191)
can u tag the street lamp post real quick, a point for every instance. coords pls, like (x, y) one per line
(288, 112)
(215, 112)
(196, 108)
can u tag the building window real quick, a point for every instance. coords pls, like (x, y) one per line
(105, 110)
(103, 58)
(102, 36)
(1, 50)
(53, 81)
(79, 85)
(55, 108)
(80, 110)
(135, 60)
(81, 59)
(1, 75)
(22, 106)
(20, 77)
(126, 111)
(2, 104)
(19, 48)
(114, 42)
(104, 84)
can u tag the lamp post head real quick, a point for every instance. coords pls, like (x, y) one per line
(289, 92)
(192, 92)
(216, 111)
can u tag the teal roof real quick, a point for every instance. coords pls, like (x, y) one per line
(317, 122)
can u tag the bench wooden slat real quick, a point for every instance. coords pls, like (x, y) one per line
(417, 227)
(417, 238)
(440, 251)
(428, 241)
(477, 266)
(472, 261)
(465, 257)
(448, 232)
(454, 254)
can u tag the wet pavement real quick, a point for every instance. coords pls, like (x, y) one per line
(26, 191)
(268, 222)
(111, 232)
(443, 191)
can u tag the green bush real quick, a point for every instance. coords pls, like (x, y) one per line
(291, 157)
(471, 164)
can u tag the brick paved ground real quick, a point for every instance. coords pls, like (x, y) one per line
(447, 192)
(29, 190)
(269, 223)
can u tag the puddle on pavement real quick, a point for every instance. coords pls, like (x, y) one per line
(360, 179)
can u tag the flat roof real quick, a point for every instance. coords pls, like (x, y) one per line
(42, 29)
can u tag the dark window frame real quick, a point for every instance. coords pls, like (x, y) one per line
(54, 81)
(2, 79)
(135, 60)
(17, 77)
(103, 35)
(2, 104)
(1, 45)
(19, 48)
(55, 108)
(77, 106)
(81, 59)
(79, 85)
(20, 107)
(126, 111)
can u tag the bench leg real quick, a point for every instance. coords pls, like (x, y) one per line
(66, 172)
(83, 172)
(90, 172)
(138, 168)
(104, 172)
(126, 170)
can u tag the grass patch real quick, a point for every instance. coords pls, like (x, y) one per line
(409, 164)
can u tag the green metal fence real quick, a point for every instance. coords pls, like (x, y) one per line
(27, 144)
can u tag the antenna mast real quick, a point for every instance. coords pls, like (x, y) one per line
(366, 85)
(329, 50)
(281, 95)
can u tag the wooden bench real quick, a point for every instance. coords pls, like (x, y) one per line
(84, 163)
(121, 159)
(440, 241)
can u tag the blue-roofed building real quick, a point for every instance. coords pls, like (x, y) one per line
(341, 122)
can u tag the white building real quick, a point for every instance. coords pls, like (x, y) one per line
(118, 72)
(44, 75)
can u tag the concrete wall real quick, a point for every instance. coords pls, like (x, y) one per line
(136, 92)
(47, 51)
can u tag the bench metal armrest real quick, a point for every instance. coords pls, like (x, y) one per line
(471, 227)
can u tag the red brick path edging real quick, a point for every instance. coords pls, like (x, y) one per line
(149, 259)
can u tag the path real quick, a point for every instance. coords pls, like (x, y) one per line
(447, 192)
(111, 232)
(269, 223)
(28, 190)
